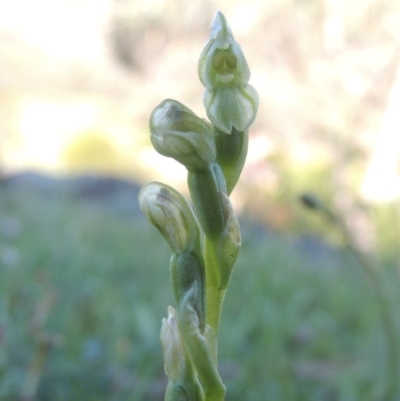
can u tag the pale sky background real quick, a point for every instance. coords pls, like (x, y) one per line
(65, 28)
(320, 71)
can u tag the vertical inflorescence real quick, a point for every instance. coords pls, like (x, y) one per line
(204, 238)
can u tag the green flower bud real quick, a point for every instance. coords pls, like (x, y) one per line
(206, 188)
(175, 359)
(188, 268)
(229, 100)
(201, 352)
(172, 214)
(183, 383)
(178, 133)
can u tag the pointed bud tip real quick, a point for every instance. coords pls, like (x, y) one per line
(220, 27)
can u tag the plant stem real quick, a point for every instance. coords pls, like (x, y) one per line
(214, 294)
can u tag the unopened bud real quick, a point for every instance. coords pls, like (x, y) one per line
(173, 347)
(172, 214)
(183, 383)
(178, 133)
(187, 269)
(199, 348)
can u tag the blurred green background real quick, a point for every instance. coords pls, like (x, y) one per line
(84, 278)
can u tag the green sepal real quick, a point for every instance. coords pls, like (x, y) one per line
(206, 188)
(231, 154)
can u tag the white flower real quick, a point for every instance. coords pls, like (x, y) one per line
(229, 100)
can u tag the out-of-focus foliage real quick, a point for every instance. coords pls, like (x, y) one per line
(84, 283)
(93, 152)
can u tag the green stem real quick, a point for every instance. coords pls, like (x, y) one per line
(214, 294)
(231, 154)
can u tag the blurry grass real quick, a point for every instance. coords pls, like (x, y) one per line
(300, 322)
